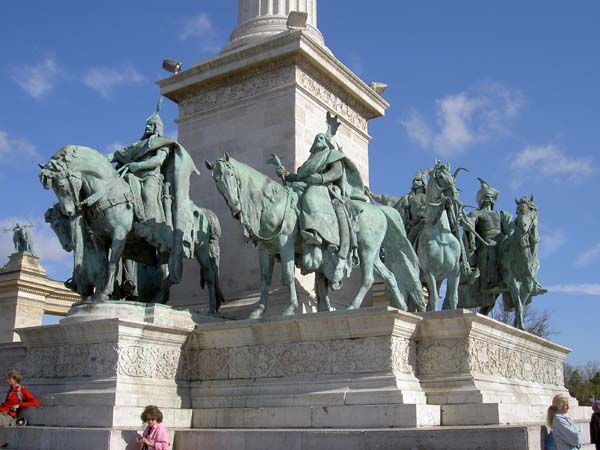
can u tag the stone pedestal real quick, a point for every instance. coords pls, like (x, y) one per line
(26, 293)
(482, 371)
(90, 371)
(268, 97)
(339, 369)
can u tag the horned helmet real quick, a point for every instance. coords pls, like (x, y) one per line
(154, 124)
(487, 193)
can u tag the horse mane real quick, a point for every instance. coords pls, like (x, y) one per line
(257, 193)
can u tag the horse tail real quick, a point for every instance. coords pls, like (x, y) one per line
(401, 258)
(214, 251)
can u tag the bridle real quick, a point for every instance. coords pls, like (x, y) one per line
(248, 226)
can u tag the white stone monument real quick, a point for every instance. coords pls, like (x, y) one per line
(267, 92)
(369, 378)
(26, 294)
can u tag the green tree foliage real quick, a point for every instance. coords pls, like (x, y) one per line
(583, 381)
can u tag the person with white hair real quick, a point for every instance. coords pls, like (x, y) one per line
(566, 434)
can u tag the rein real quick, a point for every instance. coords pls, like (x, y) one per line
(254, 235)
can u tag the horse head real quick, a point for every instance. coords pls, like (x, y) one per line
(61, 225)
(441, 181)
(66, 184)
(228, 183)
(526, 214)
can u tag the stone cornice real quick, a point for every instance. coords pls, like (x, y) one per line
(35, 283)
(181, 86)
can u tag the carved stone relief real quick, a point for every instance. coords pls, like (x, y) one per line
(332, 96)
(233, 89)
(373, 354)
(471, 355)
(106, 359)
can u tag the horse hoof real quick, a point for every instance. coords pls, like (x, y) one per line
(257, 313)
(352, 306)
(289, 311)
(99, 298)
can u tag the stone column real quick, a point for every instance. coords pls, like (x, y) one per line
(260, 19)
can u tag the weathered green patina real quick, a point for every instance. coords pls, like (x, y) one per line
(411, 206)
(439, 249)
(322, 222)
(22, 239)
(519, 263)
(493, 226)
(95, 218)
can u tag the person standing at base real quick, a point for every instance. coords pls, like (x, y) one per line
(595, 424)
(155, 435)
(18, 397)
(566, 434)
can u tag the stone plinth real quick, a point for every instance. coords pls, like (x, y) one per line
(486, 372)
(338, 369)
(102, 372)
(26, 294)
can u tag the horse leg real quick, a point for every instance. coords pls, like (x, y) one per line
(432, 291)
(321, 287)
(287, 253)
(451, 300)
(208, 274)
(398, 300)
(162, 296)
(520, 300)
(116, 251)
(266, 275)
(517, 302)
(367, 261)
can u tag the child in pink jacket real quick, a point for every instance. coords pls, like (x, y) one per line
(155, 435)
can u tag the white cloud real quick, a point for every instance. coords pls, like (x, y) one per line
(104, 79)
(201, 27)
(45, 242)
(590, 256)
(552, 241)
(417, 128)
(37, 79)
(465, 119)
(550, 160)
(13, 150)
(576, 289)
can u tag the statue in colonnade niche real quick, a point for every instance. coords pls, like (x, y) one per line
(320, 222)
(22, 239)
(133, 223)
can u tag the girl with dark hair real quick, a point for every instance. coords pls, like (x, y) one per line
(155, 435)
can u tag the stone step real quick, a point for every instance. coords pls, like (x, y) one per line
(491, 437)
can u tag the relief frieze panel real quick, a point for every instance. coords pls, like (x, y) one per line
(373, 354)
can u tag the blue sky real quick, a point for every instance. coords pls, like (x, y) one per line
(508, 89)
